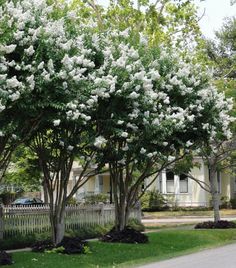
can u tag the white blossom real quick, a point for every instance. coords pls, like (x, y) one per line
(189, 143)
(124, 134)
(56, 122)
(8, 49)
(100, 141)
(133, 95)
(143, 151)
(70, 148)
(15, 96)
(61, 143)
(13, 82)
(120, 122)
(29, 51)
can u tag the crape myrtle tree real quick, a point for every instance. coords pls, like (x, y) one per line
(47, 58)
(219, 152)
(151, 108)
(13, 127)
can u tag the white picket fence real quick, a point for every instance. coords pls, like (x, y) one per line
(25, 219)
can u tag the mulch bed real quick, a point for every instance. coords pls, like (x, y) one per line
(71, 245)
(128, 235)
(5, 258)
(215, 225)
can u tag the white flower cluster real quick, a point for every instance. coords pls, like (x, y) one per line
(100, 141)
(148, 98)
(166, 95)
(42, 55)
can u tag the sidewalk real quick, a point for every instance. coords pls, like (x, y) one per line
(212, 258)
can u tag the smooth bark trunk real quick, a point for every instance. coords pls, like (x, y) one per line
(122, 207)
(57, 219)
(214, 192)
(45, 192)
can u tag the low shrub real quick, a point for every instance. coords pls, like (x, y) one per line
(88, 232)
(16, 242)
(153, 201)
(72, 201)
(215, 225)
(136, 225)
(200, 208)
(225, 202)
(96, 199)
(233, 203)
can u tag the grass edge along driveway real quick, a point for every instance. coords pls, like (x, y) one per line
(163, 245)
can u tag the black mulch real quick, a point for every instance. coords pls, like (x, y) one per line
(72, 245)
(215, 225)
(5, 258)
(128, 235)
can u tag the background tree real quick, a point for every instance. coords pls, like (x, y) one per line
(219, 153)
(24, 170)
(163, 21)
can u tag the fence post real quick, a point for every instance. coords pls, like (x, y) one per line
(1, 222)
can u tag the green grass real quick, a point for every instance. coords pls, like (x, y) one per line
(205, 213)
(163, 245)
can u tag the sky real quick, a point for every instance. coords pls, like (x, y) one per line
(215, 11)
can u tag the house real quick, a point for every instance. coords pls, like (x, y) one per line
(179, 190)
(99, 184)
(182, 191)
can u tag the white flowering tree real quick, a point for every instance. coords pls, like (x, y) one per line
(46, 58)
(151, 109)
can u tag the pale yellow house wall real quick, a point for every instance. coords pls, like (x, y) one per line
(225, 185)
(90, 185)
(106, 183)
(196, 196)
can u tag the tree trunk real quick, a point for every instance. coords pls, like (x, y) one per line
(216, 206)
(57, 218)
(119, 194)
(214, 192)
(121, 215)
(45, 192)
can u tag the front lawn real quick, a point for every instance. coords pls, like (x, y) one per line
(163, 245)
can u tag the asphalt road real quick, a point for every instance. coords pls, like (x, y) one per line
(222, 257)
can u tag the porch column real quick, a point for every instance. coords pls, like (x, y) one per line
(163, 176)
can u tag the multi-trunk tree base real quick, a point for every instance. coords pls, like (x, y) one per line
(71, 245)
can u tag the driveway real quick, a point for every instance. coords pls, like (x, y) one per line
(222, 257)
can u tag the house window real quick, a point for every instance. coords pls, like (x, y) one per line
(169, 181)
(100, 183)
(183, 183)
(160, 184)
